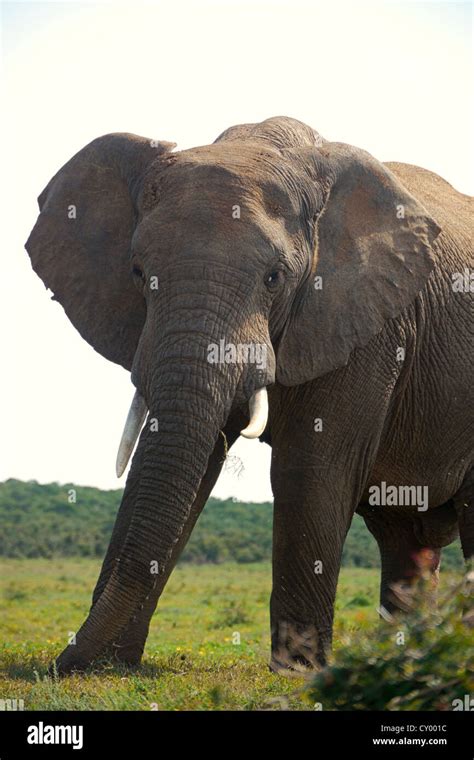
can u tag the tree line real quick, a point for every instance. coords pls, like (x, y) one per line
(56, 520)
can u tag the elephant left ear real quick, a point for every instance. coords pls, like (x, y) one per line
(372, 256)
(80, 244)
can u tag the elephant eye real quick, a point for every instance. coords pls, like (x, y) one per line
(138, 278)
(137, 272)
(273, 279)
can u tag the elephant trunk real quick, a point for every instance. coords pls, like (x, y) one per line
(187, 410)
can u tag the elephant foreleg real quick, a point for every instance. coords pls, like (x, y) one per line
(464, 503)
(323, 449)
(308, 539)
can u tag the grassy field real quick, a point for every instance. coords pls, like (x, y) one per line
(190, 661)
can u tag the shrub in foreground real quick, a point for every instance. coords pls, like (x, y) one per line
(422, 658)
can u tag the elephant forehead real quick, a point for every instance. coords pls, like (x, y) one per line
(213, 230)
(220, 172)
(236, 200)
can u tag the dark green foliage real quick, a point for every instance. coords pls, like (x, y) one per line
(422, 659)
(42, 521)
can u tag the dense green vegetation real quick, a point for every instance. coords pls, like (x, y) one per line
(74, 521)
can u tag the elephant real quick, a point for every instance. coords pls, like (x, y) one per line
(351, 277)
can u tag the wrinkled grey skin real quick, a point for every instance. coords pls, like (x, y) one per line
(386, 241)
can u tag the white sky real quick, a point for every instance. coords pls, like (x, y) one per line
(393, 78)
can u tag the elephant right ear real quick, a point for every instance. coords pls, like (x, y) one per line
(80, 244)
(372, 254)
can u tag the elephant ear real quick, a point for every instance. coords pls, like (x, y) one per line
(372, 255)
(80, 244)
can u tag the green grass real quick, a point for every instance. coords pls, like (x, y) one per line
(191, 661)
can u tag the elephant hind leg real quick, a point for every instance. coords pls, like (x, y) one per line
(404, 557)
(464, 504)
(404, 568)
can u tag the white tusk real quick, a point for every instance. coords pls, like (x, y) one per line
(131, 431)
(258, 406)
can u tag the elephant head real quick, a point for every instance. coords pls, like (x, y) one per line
(212, 273)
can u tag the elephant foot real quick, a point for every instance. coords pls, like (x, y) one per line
(291, 667)
(70, 661)
(298, 648)
(126, 654)
(67, 663)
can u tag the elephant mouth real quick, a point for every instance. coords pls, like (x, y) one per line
(258, 413)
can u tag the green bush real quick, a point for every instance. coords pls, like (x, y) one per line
(419, 659)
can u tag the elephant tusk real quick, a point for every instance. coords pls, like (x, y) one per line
(133, 425)
(258, 406)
